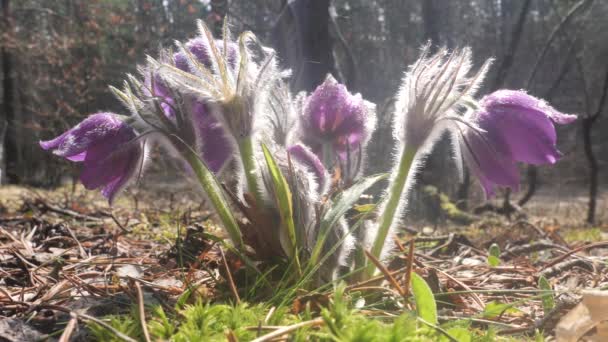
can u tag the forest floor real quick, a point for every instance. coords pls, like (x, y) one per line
(72, 268)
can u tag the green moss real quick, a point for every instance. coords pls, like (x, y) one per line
(583, 234)
(448, 208)
(341, 322)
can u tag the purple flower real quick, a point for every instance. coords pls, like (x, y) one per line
(200, 49)
(107, 148)
(333, 117)
(211, 141)
(515, 127)
(304, 156)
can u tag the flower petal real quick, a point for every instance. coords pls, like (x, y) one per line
(306, 157)
(332, 115)
(74, 143)
(521, 126)
(486, 161)
(215, 147)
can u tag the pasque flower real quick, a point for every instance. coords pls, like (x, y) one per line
(236, 88)
(513, 127)
(335, 122)
(210, 138)
(108, 149)
(432, 91)
(502, 129)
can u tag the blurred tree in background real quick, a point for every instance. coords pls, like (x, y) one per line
(59, 56)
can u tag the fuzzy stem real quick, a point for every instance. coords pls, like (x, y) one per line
(327, 154)
(248, 160)
(390, 210)
(214, 193)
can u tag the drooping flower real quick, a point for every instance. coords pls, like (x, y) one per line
(515, 127)
(335, 122)
(107, 148)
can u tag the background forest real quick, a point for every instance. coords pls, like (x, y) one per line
(59, 56)
(156, 264)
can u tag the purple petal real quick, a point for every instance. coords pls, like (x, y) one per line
(521, 126)
(306, 157)
(519, 99)
(333, 115)
(216, 149)
(74, 143)
(199, 47)
(111, 167)
(487, 162)
(106, 147)
(157, 88)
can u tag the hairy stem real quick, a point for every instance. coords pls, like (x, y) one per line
(327, 153)
(214, 192)
(248, 160)
(388, 216)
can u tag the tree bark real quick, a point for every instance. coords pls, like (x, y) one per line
(303, 40)
(509, 55)
(594, 167)
(8, 102)
(587, 124)
(430, 15)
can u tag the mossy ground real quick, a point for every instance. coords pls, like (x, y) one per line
(66, 250)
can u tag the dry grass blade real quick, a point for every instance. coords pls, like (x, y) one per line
(235, 293)
(142, 311)
(574, 251)
(285, 330)
(69, 329)
(387, 274)
(474, 295)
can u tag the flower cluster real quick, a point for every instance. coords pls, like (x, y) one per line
(208, 103)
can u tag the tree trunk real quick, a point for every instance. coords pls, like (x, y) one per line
(509, 55)
(593, 168)
(430, 15)
(303, 40)
(8, 102)
(587, 123)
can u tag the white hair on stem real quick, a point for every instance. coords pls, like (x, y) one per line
(433, 91)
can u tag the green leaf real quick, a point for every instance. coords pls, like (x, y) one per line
(547, 298)
(215, 194)
(364, 208)
(284, 203)
(426, 307)
(493, 261)
(458, 333)
(494, 255)
(494, 309)
(339, 206)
